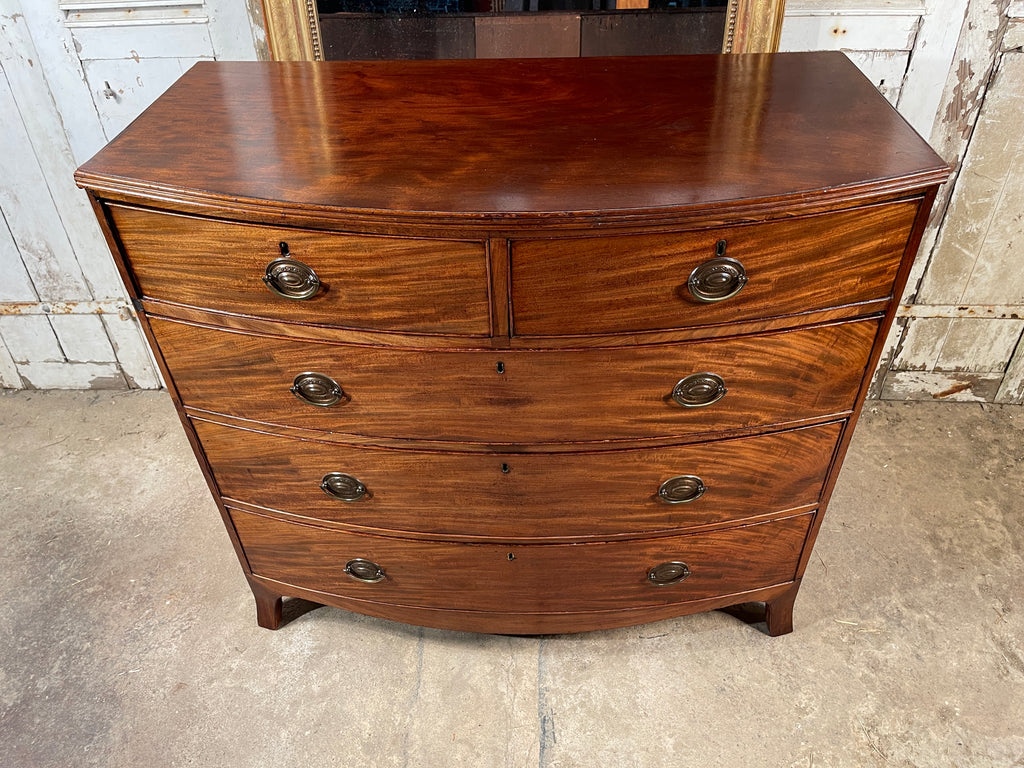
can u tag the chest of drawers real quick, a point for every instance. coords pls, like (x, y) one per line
(519, 346)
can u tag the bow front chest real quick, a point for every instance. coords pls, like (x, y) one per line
(519, 346)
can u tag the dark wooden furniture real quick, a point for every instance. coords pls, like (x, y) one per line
(519, 346)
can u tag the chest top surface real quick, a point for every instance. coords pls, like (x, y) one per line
(518, 139)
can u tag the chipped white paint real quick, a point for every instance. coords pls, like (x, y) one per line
(136, 43)
(64, 321)
(1011, 390)
(72, 376)
(110, 307)
(27, 205)
(30, 338)
(16, 284)
(124, 5)
(889, 38)
(922, 345)
(855, 7)
(848, 32)
(133, 353)
(62, 70)
(83, 338)
(9, 376)
(1014, 39)
(965, 299)
(236, 30)
(920, 385)
(969, 70)
(52, 210)
(979, 346)
(989, 311)
(133, 13)
(929, 66)
(884, 69)
(975, 260)
(135, 84)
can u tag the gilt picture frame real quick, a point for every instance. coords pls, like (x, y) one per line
(293, 28)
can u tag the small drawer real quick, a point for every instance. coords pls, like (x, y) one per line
(536, 578)
(626, 283)
(351, 281)
(522, 496)
(520, 396)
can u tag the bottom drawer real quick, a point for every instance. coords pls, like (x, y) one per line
(537, 578)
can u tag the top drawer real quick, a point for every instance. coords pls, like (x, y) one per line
(377, 283)
(629, 283)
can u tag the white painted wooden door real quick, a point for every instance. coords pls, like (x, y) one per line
(73, 73)
(952, 68)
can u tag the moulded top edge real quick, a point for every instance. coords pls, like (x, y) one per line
(518, 140)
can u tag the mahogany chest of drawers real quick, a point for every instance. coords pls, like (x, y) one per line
(519, 346)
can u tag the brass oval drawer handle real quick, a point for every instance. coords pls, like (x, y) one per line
(668, 573)
(681, 489)
(291, 279)
(343, 487)
(364, 570)
(717, 279)
(699, 389)
(316, 389)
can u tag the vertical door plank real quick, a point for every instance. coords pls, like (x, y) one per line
(31, 213)
(132, 351)
(9, 376)
(15, 285)
(83, 338)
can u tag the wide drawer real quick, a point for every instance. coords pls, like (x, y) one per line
(522, 496)
(523, 578)
(378, 283)
(641, 282)
(539, 396)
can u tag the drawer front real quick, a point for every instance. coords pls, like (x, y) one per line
(523, 578)
(640, 282)
(513, 496)
(377, 283)
(540, 396)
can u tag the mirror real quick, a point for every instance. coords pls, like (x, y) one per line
(478, 28)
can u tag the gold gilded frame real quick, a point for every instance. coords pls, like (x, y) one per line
(293, 28)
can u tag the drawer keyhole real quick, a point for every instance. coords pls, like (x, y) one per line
(505, 469)
(500, 367)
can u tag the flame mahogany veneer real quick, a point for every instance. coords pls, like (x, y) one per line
(588, 337)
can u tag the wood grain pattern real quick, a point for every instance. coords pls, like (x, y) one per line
(537, 578)
(522, 496)
(594, 285)
(163, 309)
(381, 283)
(519, 141)
(542, 396)
(510, 623)
(503, 246)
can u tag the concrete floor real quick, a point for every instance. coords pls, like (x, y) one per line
(128, 635)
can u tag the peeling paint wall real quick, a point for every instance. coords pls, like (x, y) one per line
(877, 37)
(72, 75)
(961, 334)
